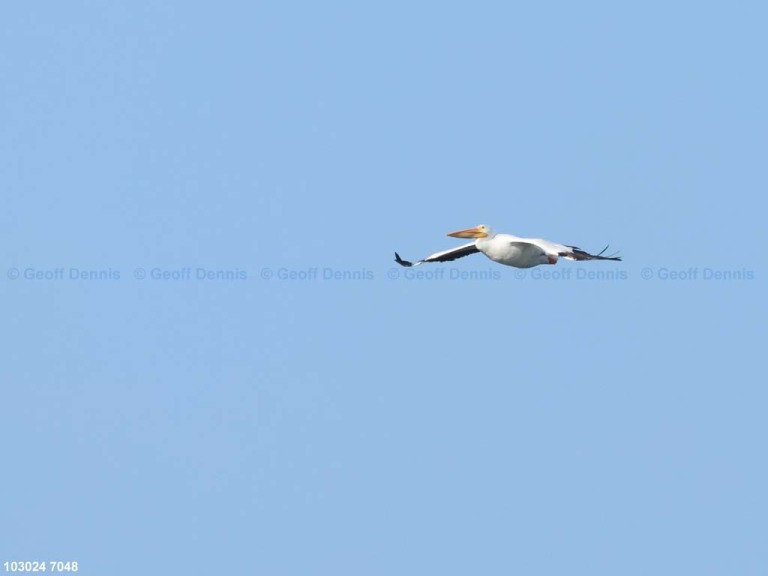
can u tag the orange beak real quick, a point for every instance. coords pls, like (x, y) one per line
(469, 233)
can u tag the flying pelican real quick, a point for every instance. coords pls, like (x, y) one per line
(508, 249)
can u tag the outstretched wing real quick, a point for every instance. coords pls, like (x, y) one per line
(574, 253)
(569, 252)
(444, 256)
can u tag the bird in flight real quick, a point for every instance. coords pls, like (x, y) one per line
(509, 250)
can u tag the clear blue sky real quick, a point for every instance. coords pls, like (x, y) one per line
(156, 423)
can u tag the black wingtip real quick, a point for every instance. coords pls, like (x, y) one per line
(582, 255)
(615, 256)
(401, 261)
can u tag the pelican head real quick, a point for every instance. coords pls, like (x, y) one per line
(481, 231)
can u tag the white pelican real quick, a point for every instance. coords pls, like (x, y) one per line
(508, 249)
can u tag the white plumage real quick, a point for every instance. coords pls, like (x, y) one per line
(508, 250)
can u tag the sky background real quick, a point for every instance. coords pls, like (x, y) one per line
(313, 408)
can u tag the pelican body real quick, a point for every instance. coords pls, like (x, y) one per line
(508, 250)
